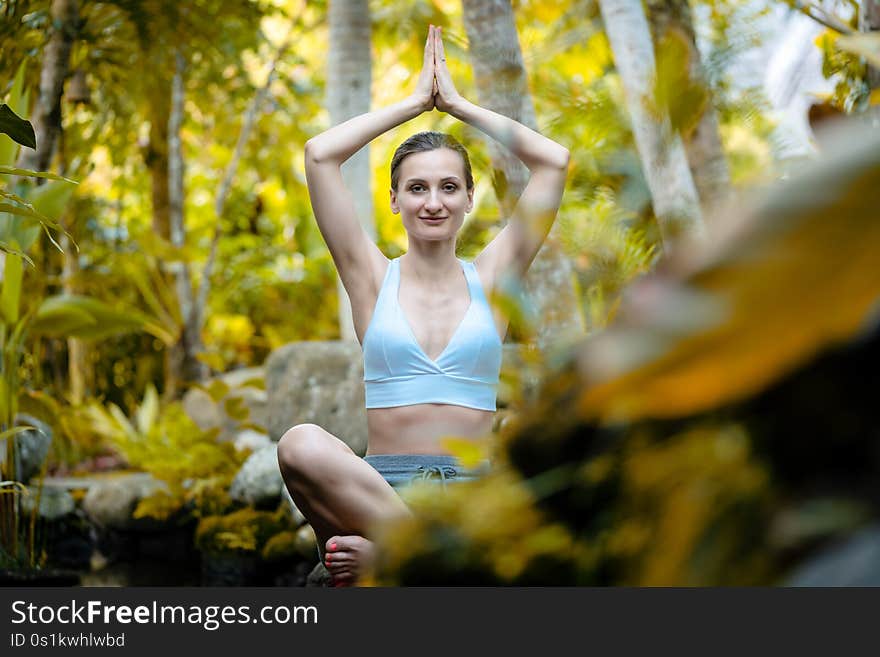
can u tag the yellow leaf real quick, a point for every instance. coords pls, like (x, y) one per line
(468, 451)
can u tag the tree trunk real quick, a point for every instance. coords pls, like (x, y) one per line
(77, 350)
(348, 94)
(186, 368)
(155, 155)
(49, 135)
(502, 86)
(674, 195)
(56, 63)
(703, 148)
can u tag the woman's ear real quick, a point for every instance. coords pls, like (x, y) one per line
(470, 204)
(394, 207)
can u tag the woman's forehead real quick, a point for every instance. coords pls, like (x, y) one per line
(434, 164)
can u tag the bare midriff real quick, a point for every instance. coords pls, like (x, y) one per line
(420, 428)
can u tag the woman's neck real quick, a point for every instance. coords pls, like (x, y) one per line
(429, 266)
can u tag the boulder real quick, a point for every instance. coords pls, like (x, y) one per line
(55, 503)
(251, 440)
(853, 562)
(320, 383)
(110, 503)
(33, 446)
(319, 577)
(258, 482)
(209, 414)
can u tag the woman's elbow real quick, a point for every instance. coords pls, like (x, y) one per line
(313, 153)
(562, 158)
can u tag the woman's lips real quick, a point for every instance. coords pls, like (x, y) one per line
(433, 220)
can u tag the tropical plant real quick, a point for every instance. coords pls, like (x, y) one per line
(21, 218)
(196, 469)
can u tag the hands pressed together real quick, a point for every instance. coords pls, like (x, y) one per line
(435, 87)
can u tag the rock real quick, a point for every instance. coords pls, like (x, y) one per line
(110, 503)
(251, 440)
(209, 414)
(321, 383)
(232, 569)
(32, 445)
(319, 576)
(306, 543)
(854, 562)
(55, 503)
(258, 482)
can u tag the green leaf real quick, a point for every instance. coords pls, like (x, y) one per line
(54, 320)
(14, 430)
(14, 171)
(236, 409)
(10, 295)
(216, 390)
(148, 412)
(51, 199)
(8, 248)
(28, 211)
(21, 131)
(83, 317)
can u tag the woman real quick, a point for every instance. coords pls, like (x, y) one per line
(432, 344)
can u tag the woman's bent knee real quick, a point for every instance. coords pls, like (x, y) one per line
(300, 448)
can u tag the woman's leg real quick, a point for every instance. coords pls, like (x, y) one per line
(341, 496)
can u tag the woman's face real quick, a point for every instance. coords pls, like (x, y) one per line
(432, 197)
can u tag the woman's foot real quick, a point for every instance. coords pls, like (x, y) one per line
(348, 558)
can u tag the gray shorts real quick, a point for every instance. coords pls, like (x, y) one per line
(400, 470)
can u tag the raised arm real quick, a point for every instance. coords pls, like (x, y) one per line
(349, 244)
(517, 244)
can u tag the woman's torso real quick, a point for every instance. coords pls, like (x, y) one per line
(433, 318)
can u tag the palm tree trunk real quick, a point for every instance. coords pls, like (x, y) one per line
(502, 86)
(56, 63)
(186, 367)
(348, 94)
(155, 155)
(48, 130)
(703, 148)
(674, 195)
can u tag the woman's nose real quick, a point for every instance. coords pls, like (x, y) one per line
(432, 203)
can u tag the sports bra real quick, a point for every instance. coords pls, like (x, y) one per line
(397, 372)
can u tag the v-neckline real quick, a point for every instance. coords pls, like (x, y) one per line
(412, 334)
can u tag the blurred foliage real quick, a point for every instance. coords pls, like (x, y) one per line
(718, 432)
(247, 531)
(165, 442)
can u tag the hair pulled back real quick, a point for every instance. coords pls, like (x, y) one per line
(429, 141)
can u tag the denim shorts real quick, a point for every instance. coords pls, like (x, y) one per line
(400, 470)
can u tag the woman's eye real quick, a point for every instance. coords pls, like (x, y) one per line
(450, 188)
(416, 188)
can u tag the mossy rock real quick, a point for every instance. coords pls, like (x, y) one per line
(281, 547)
(245, 530)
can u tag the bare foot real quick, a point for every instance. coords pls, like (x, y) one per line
(348, 558)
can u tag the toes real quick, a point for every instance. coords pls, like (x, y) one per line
(345, 578)
(338, 567)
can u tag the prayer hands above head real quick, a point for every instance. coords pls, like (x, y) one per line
(446, 96)
(426, 86)
(435, 87)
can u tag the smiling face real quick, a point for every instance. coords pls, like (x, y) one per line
(432, 195)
